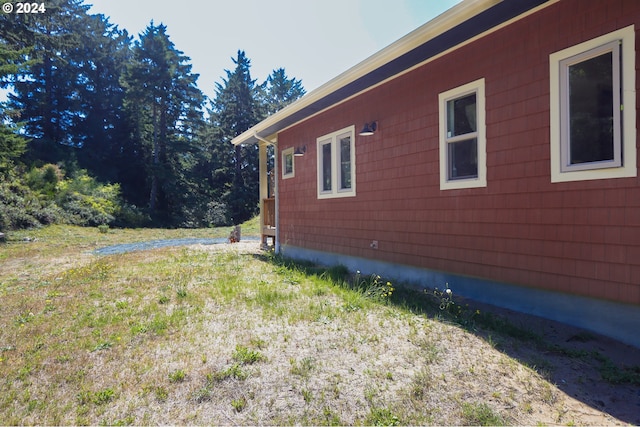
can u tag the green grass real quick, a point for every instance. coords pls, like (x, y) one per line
(480, 414)
(195, 336)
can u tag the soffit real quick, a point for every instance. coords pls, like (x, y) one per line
(459, 24)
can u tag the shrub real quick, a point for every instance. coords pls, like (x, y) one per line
(20, 208)
(86, 201)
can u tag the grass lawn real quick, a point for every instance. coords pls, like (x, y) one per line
(227, 334)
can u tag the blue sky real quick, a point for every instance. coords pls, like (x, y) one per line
(313, 40)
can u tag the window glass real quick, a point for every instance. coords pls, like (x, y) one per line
(463, 159)
(288, 166)
(591, 110)
(288, 163)
(326, 167)
(345, 163)
(461, 116)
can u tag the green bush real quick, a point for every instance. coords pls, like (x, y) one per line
(20, 207)
(45, 195)
(85, 201)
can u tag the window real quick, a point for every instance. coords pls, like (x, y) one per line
(288, 166)
(462, 137)
(336, 164)
(592, 109)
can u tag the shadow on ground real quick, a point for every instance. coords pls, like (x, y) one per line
(598, 371)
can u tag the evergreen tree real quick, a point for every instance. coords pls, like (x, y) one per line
(163, 106)
(235, 169)
(278, 91)
(99, 127)
(13, 60)
(47, 95)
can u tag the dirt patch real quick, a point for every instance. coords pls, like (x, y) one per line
(573, 360)
(576, 361)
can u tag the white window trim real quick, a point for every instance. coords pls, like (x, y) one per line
(333, 139)
(628, 134)
(288, 152)
(476, 86)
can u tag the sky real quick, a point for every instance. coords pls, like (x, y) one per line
(313, 40)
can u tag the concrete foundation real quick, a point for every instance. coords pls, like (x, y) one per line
(618, 321)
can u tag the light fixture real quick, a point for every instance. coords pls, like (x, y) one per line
(369, 129)
(299, 151)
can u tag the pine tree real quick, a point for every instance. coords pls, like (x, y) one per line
(235, 169)
(13, 61)
(47, 95)
(163, 106)
(99, 128)
(279, 91)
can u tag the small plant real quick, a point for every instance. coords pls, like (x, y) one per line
(307, 395)
(302, 368)
(177, 376)
(373, 286)
(161, 394)
(234, 371)
(181, 291)
(103, 228)
(121, 305)
(97, 397)
(24, 318)
(382, 417)
(331, 418)
(444, 297)
(202, 395)
(105, 345)
(474, 414)
(239, 404)
(245, 356)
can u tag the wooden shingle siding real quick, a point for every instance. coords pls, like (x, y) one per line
(576, 237)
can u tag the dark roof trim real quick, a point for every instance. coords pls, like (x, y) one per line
(472, 27)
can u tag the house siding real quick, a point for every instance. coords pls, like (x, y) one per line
(575, 237)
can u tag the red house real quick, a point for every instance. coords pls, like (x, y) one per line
(494, 148)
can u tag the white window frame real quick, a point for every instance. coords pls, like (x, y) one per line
(333, 139)
(447, 183)
(624, 162)
(285, 153)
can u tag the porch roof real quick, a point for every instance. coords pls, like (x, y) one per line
(460, 24)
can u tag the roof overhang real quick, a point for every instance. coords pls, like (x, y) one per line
(458, 25)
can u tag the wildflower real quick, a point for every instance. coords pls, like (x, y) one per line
(448, 291)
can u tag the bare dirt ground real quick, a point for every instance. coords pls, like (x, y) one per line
(571, 360)
(592, 399)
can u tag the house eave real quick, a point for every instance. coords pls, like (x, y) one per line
(462, 22)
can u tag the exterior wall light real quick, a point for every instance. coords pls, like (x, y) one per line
(369, 129)
(300, 151)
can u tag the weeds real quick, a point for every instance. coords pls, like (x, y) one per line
(245, 356)
(480, 414)
(382, 417)
(177, 376)
(302, 368)
(239, 404)
(100, 397)
(266, 340)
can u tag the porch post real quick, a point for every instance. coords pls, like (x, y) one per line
(264, 185)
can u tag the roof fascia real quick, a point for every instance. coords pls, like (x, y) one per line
(330, 93)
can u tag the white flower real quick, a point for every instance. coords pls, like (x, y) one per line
(448, 291)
